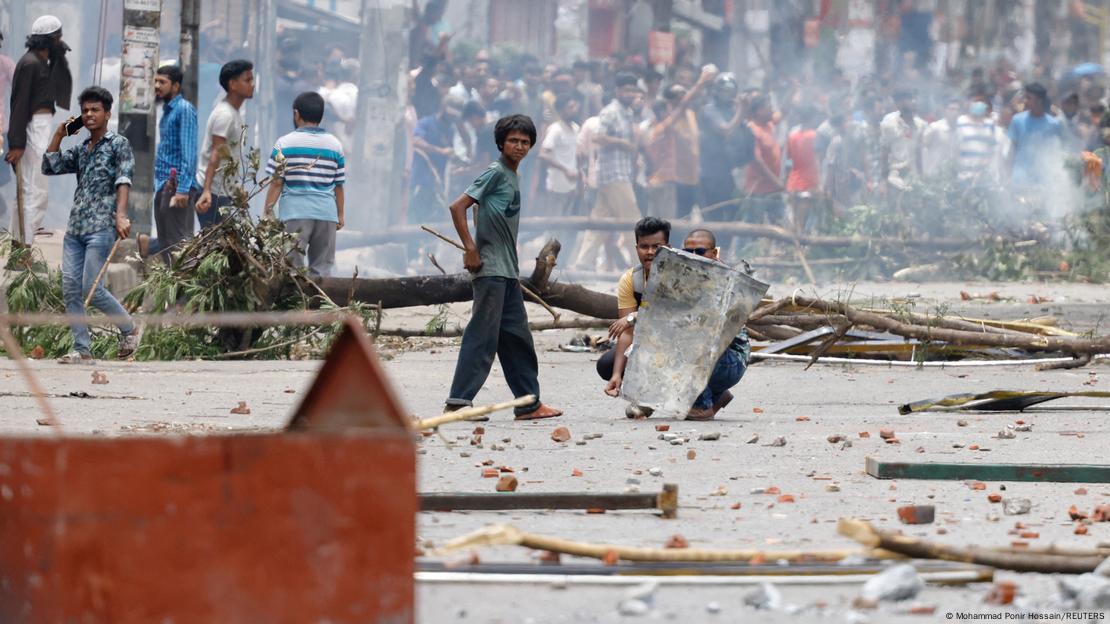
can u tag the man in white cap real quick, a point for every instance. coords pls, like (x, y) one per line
(41, 84)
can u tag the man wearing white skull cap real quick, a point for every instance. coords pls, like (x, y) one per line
(42, 83)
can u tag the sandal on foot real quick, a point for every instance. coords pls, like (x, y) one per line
(543, 411)
(76, 357)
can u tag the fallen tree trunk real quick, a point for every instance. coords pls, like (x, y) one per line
(1029, 342)
(720, 228)
(422, 290)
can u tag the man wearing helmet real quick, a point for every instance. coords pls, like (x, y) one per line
(42, 81)
(725, 144)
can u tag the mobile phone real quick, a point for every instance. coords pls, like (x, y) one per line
(73, 126)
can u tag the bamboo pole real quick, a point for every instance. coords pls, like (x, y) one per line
(471, 413)
(1016, 560)
(103, 270)
(507, 535)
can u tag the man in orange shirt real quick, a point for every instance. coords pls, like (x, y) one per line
(763, 180)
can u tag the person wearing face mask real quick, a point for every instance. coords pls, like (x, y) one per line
(979, 143)
(42, 83)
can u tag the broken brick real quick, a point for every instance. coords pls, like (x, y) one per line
(786, 498)
(835, 438)
(774, 489)
(1075, 514)
(691, 454)
(1029, 535)
(977, 485)
(576, 473)
(662, 427)
(1101, 514)
(479, 431)
(490, 473)
(994, 498)
(917, 514)
(865, 434)
(1081, 492)
(923, 609)
(677, 541)
(37, 353)
(505, 469)
(506, 483)
(734, 506)
(100, 378)
(886, 433)
(1002, 593)
(973, 447)
(241, 410)
(801, 419)
(1081, 529)
(893, 441)
(560, 434)
(595, 510)
(757, 410)
(611, 558)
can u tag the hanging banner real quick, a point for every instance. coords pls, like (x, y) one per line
(660, 48)
(140, 59)
(142, 5)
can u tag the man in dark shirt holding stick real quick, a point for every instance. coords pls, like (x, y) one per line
(498, 324)
(42, 81)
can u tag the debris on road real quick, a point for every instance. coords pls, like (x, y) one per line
(241, 409)
(916, 514)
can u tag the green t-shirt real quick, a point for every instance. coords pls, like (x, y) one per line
(497, 192)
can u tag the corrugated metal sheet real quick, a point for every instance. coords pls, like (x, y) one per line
(529, 24)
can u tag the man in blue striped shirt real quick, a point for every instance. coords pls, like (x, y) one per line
(175, 163)
(308, 170)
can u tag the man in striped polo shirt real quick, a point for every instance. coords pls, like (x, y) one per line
(309, 185)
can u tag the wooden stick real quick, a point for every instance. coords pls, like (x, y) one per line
(20, 214)
(527, 291)
(11, 345)
(503, 534)
(103, 270)
(1016, 560)
(471, 412)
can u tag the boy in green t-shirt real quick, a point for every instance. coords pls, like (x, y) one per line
(498, 324)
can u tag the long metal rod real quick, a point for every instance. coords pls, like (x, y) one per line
(948, 578)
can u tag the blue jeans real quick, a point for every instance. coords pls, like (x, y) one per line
(82, 257)
(727, 373)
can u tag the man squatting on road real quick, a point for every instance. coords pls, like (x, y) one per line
(498, 323)
(104, 164)
(652, 234)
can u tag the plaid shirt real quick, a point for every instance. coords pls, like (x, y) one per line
(178, 146)
(100, 170)
(614, 164)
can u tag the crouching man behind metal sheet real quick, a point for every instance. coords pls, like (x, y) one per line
(104, 164)
(651, 235)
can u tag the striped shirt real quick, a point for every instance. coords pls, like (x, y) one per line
(314, 166)
(177, 148)
(978, 147)
(614, 164)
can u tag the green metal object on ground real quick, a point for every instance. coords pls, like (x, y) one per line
(1052, 473)
(995, 400)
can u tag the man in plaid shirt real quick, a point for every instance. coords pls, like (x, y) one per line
(616, 199)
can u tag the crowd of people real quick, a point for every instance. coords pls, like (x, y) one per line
(620, 139)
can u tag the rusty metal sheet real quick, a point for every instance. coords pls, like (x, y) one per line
(306, 527)
(351, 389)
(693, 308)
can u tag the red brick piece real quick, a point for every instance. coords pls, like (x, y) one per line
(886, 433)
(677, 541)
(506, 483)
(490, 473)
(1002, 593)
(917, 514)
(786, 498)
(994, 498)
(865, 434)
(560, 434)
(662, 427)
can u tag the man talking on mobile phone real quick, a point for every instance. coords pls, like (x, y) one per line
(104, 164)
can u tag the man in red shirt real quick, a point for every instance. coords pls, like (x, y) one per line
(803, 181)
(763, 180)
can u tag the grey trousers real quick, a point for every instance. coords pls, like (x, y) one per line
(318, 238)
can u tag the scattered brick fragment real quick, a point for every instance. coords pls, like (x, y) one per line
(490, 473)
(1081, 529)
(595, 510)
(757, 410)
(662, 427)
(994, 498)
(677, 541)
(506, 483)
(893, 441)
(923, 609)
(1075, 514)
(836, 437)
(1002, 593)
(865, 434)
(37, 353)
(977, 485)
(691, 454)
(886, 433)
(973, 447)
(734, 506)
(802, 419)
(1029, 535)
(917, 514)
(241, 410)
(774, 489)
(786, 498)
(1081, 492)
(560, 434)
(611, 558)
(576, 473)
(1101, 514)
(100, 378)
(479, 431)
